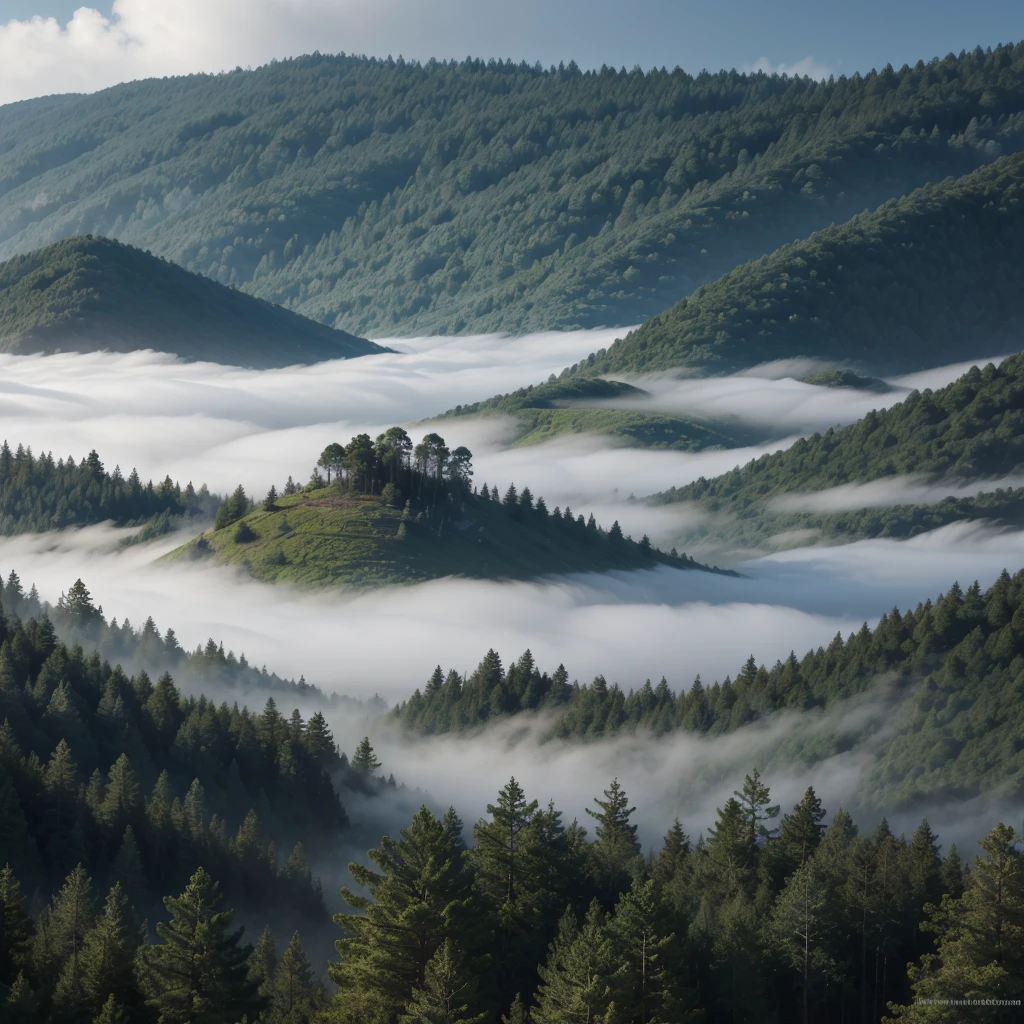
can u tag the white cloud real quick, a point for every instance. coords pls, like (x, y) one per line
(807, 67)
(153, 38)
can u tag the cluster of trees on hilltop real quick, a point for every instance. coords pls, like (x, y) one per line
(972, 428)
(38, 493)
(957, 662)
(491, 196)
(768, 917)
(924, 279)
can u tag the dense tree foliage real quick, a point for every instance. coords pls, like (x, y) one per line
(926, 278)
(387, 196)
(974, 428)
(767, 918)
(955, 665)
(83, 294)
(37, 493)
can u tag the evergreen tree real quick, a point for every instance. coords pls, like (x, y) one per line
(575, 983)
(296, 994)
(262, 965)
(364, 761)
(448, 993)
(15, 928)
(198, 974)
(108, 953)
(61, 940)
(418, 898)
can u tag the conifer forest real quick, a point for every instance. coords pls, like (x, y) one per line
(534, 537)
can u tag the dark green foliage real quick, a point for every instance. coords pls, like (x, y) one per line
(928, 304)
(198, 974)
(488, 195)
(83, 294)
(37, 493)
(974, 428)
(953, 664)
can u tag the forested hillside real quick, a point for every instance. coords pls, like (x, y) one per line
(38, 493)
(84, 294)
(386, 196)
(970, 430)
(930, 278)
(956, 665)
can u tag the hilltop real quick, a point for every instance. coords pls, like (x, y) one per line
(397, 513)
(322, 537)
(577, 405)
(385, 196)
(84, 294)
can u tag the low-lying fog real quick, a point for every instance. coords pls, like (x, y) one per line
(222, 426)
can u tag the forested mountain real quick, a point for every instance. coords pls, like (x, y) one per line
(399, 514)
(84, 294)
(386, 196)
(955, 667)
(929, 278)
(973, 429)
(37, 493)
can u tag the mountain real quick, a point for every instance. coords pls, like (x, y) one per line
(930, 278)
(385, 196)
(972, 430)
(950, 667)
(322, 537)
(85, 294)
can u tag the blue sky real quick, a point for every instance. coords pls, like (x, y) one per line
(853, 36)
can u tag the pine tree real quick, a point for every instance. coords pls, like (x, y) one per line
(60, 943)
(802, 830)
(21, 1004)
(295, 992)
(364, 761)
(198, 975)
(108, 953)
(418, 898)
(112, 1012)
(15, 928)
(448, 992)
(262, 964)
(122, 800)
(128, 872)
(575, 980)
(616, 851)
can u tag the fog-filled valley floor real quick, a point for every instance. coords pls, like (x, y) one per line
(223, 426)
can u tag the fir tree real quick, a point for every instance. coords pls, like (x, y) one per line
(108, 954)
(364, 761)
(198, 974)
(296, 994)
(448, 992)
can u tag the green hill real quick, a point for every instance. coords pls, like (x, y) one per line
(929, 278)
(323, 537)
(971, 430)
(383, 196)
(573, 405)
(84, 293)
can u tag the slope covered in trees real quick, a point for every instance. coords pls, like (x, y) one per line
(397, 514)
(84, 294)
(926, 279)
(38, 493)
(954, 665)
(970, 430)
(386, 196)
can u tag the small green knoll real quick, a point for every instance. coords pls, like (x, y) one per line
(323, 537)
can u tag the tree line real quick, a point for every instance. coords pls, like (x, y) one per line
(38, 493)
(954, 663)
